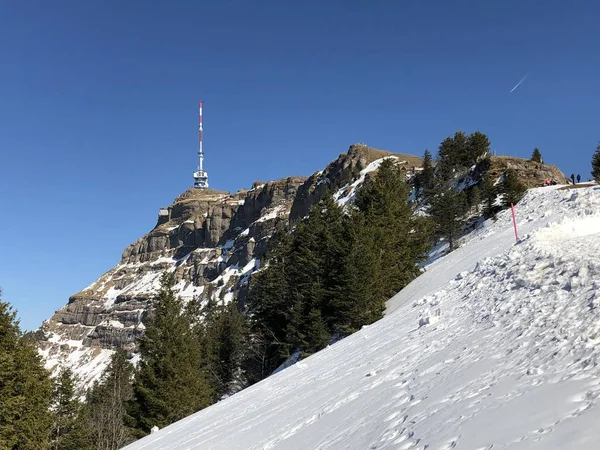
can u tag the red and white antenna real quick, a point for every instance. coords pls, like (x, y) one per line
(200, 176)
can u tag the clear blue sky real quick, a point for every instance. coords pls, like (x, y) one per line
(98, 118)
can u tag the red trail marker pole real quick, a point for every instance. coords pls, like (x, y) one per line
(512, 207)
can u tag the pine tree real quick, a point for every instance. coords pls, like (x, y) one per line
(448, 208)
(461, 152)
(536, 156)
(596, 164)
(478, 147)
(475, 199)
(489, 193)
(511, 188)
(269, 312)
(315, 274)
(105, 411)
(359, 302)
(171, 382)
(452, 153)
(334, 274)
(426, 179)
(223, 333)
(25, 389)
(68, 431)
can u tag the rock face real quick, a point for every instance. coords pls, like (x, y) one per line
(530, 173)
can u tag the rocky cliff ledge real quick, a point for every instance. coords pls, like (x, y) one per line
(531, 173)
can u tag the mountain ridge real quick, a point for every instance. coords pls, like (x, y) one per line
(211, 241)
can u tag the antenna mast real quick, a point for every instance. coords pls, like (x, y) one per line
(200, 176)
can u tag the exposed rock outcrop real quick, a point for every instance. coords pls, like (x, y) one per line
(531, 174)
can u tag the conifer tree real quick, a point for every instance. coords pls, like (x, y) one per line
(223, 334)
(489, 193)
(68, 431)
(359, 302)
(426, 179)
(25, 389)
(478, 147)
(511, 188)
(335, 272)
(475, 199)
(316, 250)
(171, 382)
(596, 164)
(536, 156)
(105, 412)
(461, 151)
(269, 311)
(451, 154)
(448, 208)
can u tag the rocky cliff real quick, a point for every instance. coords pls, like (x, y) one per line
(211, 241)
(531, 174)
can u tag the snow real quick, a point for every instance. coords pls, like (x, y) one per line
(88, 363)
(111, 296)
(273, 214)
(162, 260)
(227, 245)
(187, 290)
(347, 193)
(494, 346)
(534, 211)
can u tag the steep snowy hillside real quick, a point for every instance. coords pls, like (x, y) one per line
(496, 346)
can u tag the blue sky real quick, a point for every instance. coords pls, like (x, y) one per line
(98, 110)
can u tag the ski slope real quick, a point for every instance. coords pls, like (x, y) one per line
(495, 346)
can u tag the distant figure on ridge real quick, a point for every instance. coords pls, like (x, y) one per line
(573, 178)
(578, 178)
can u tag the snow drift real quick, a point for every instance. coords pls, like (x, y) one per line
(495, 346)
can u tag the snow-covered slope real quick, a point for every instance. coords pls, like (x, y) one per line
(495, 346)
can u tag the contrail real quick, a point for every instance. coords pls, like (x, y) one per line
(519, 83)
